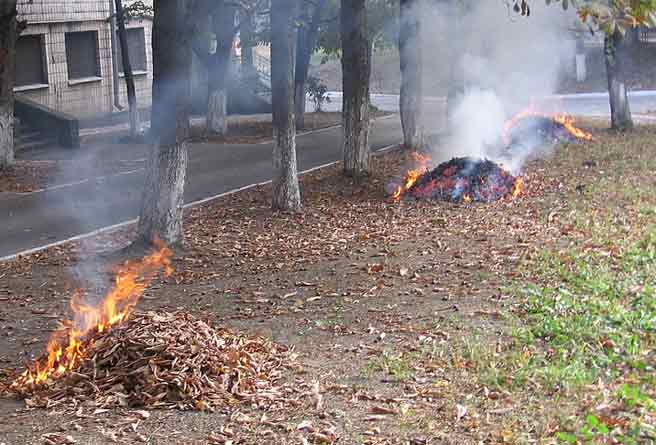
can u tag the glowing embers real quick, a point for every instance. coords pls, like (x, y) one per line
(465, 180)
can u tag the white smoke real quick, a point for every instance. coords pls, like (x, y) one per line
(501, 60)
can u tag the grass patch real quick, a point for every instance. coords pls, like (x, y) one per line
(586, 332)
(396, 365)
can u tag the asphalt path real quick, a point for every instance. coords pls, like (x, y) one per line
(33, 220)
(585, 104)
(68, 210)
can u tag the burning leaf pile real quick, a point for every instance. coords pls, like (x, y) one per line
(465, 180)
(534, 125)
(154, 360)
(67, 346)
(482, 180)
(168, 360)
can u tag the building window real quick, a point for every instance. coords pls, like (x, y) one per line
(136, 50)
(82, 55)
(31, 61)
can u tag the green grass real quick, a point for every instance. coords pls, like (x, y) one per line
(590, 323)
(396, 365)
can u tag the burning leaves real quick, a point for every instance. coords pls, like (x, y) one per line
(467, 180)
(421, 164)
(156, 360)
(462, 180)
(556, 122)
(67, 346)
(169, 360)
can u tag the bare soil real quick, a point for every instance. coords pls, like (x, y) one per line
(25, 176)
(380, 299)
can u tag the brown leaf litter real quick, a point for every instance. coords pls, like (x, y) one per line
(170, 360)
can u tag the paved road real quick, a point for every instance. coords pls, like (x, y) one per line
(36, 219)
(577, 104)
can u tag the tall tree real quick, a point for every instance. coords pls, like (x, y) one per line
(356, 71)
(410, 56)
(286, 192)
(620, 112)
(305, 44)
(456, 88)
(133, 109)
(8, 36)
(223, 27)
(162, 200)
(247, 41)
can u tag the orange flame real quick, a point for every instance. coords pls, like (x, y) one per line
(421, 163)
(531, 111)
(517, 188)
(568, 123)
(67, 347)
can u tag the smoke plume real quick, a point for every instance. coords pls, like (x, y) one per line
(498, 61)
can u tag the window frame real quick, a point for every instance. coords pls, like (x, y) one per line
(44, 65)
(97, 75)
(119, 60)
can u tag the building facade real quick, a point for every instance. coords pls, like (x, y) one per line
(67, 56)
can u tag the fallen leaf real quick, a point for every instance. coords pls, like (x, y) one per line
(305, 425)
(142, 414)
(381, 410)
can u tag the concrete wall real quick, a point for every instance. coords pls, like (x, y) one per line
(88, 97)
(143, 82)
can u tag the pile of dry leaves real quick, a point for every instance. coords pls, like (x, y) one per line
(170, 360)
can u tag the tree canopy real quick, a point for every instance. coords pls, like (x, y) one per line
(604, 15)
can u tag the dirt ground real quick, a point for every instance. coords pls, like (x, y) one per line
(384, 302)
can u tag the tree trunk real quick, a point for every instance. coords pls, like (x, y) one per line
(305, 42)
(620, 113)
(286, 192)
(355, 86)
(300, 93)
(410, 56)
(247, 38)
(8, 36)
(217, 109)
(133, 109)
(162, 200)
(223, 24)
(456, 87)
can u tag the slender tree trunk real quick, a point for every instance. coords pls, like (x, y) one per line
(8, 36)
(247, 37)
(223, 23)
(162, 201)
(410, 55)
(355, 85)
(456, 86)
(305, 43)
(300, 75)
(133, 109)
(620, 113)
(286, 192)
(300, 93)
